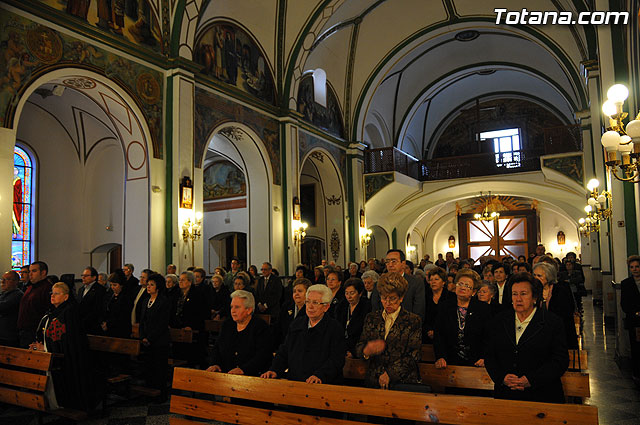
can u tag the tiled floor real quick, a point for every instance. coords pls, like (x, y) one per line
(612, 389)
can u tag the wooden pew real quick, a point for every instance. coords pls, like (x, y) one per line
(23, 381)
(108, 344)
(575, 384)
(577, 358)
(445, 409)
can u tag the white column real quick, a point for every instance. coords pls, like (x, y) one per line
(7, 143)
(355, 153)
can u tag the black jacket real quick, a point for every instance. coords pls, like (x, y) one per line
(541, 355)
(9, 306)
(630, 302)
(117, 314)
(563, 305)
(353, 331)
(192, 312)
(154, 322)
(315, 351)
(431, 313)
(446, 331)
(221, 301)
(287, 311)
(90, 307)
(269, 295)
(250, 350)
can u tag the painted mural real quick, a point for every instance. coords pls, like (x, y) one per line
(223, 179)
(133, 20)
(307, 142)
(29, 49)
(374, 183)
(227, 53)
(329, 118)
(212, 110)
(570, 166)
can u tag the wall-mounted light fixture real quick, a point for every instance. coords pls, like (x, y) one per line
(299, 231)
(191, 232)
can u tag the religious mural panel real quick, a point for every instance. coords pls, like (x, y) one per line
(223, 179)
(133, 20)
(211, 111)
(230, 55)
(570, 166)
(30, 49)
(329, 118)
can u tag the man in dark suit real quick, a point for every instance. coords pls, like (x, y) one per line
(630, 303)
(269, 292)
(140, 297)
(91, 301)
(414, 300)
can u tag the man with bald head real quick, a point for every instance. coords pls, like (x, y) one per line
(10, 297)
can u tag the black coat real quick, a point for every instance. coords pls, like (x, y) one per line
(287, 311)
(142, 302)
(630, 302)
(318, 351)
(221, 301)
(563, 305)
(154, 322)
(541, 355)
(269, 295)
(117, 314)
(431, 313)
(9, 307)
(250, 350)
(446, 331)
(90, 307)
(353, 331)
(194, 311)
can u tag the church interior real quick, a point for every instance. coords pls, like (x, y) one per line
(196, 132)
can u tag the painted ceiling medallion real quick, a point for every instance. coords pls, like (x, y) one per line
(335, 245)
(148, 88)
(80, 83)
(44, 44)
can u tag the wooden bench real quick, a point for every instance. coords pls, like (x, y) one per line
(577, 358)
(23, 381)
(355, 401)
(575, 384)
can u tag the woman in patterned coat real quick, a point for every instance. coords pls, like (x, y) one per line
(391, 338)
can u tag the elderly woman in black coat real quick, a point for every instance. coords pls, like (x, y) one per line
(526, 352)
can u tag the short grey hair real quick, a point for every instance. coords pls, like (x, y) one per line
(550, 271)
(370, 274)
(190, 276)
(492, 286)
(172, 277)
(103, 276)
(249, 300)
(323, 290)
(130, 266)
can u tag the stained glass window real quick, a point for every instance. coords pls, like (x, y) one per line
(23, 202)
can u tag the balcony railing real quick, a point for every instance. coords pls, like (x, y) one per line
(557, 140)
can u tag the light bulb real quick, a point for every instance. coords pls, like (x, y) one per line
(602, 199)
(592, 202)
(624, 139)
(610, 140)
(609, 108)
(593, 184)
(588, 219)
(633, 128)
(581, 221)
(618, 93)
(588, 209)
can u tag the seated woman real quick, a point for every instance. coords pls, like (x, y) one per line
(352, 311)
(391, 338)
(487, 294)
(221, 299)
(60, 332)
(334, 282)
(531, 371)
(188, 312)
(435, 293)
(314, 348)
(242, 282)
(293, 308)
(154, 333)
(459, 333)
(558, 299)
(244, 344)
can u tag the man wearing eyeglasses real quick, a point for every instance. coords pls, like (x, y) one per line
(9, 306)
(414, 300)
(269, 292)
(314, 349)
(91, 301)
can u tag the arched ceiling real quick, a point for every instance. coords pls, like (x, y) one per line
(398, 69)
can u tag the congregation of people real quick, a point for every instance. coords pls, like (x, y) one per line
(515, 317)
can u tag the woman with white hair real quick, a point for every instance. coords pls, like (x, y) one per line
(314, 349)
(244, 344)
(558, 299)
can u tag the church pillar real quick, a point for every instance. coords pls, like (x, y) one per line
(290, 189)
(356, 224)
(7, 142)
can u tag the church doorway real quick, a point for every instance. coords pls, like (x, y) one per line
(379, 244)
(223, 247)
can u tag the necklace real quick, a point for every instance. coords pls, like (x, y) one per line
(462, 315)
(150, 303)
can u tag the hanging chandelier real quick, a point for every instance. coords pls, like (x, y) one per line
(486, 214)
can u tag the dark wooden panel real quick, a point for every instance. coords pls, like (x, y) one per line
(30, 381)
(29, 359)
(22, 398)
(114, 345)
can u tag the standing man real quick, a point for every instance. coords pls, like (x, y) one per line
(9, 306)
(131, 284)
(140, 297)
(91, 301)
(230, 276)
(414, 300)
(171, 269)
(24, 278)
(34, 304)
(269, 292)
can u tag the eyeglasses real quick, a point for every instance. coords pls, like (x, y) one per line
(389, 299)
(314, 303)
(463, 285)
(391, 260)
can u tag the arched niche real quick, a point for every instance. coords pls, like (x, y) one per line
(379, 244)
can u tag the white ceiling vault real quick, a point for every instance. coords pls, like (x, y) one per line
(400, 68)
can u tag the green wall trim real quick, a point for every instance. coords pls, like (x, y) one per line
(394, 238)
(630, 218)
(285, 200)
(174, 47)
(353, 211)
(168, 133)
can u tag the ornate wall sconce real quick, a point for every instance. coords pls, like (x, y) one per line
(365, 236)
(299, 231)
(600, 203)
(191, 232)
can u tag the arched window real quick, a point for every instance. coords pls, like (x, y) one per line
(22, 217)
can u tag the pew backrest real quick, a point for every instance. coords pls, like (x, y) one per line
(23, 378)
(108, 344)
